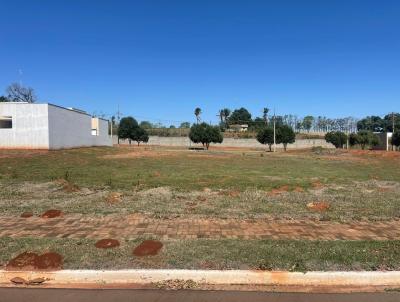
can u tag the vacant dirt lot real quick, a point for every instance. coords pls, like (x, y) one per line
(170, 187)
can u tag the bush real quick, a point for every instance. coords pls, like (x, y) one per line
(336, 138)
(130, 129)
(367, 138)
(364, 138)
(140, 135)
(396, 139)
(285, 135)
(353, 139)
(205, 134)
(265, 136)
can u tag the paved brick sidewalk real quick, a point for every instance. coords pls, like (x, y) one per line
(129, 227)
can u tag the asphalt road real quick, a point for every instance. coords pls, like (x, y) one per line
(114, 295)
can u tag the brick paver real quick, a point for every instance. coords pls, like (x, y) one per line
(129, 227)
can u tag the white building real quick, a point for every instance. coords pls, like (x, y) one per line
(238, 128)
(47, 126)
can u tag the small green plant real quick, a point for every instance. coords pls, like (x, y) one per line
(110, 183)
(67, 175)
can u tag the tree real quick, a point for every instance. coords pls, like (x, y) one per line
(396, 139)
(336, 138)
(127, 126)
(197, 113)
(390, 119)
(227, 113)
(3, 99)
(307, 122)
(185, 125)
(139, 135)
(205, 134)
(371, 123)
(240, 116)
(265, 136)
(353, 139)
(364, 138)
(19, 93)
(146, 125)
(223, 116)
(285, 135)
(265, 115)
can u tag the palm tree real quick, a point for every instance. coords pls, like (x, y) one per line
(197, 113)
(265, 115)
(221, 115)
(227, 113)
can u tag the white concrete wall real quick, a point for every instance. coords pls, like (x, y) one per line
(232, 142)
(46, 126)
(71, 129)
(30, 126)
(103, 138)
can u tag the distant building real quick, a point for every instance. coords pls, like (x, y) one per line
(384, 141)
(50, 127)
(238, 128)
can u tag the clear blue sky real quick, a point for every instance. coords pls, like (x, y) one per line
(161, 59)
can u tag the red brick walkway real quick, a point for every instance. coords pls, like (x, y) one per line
(129, 227)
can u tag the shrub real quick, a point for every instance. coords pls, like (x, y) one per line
(367, 138)
(205, 134)
(265, 136)
(285, 135)
(336, 138)
(364, 138)
(353, 139)
(396, 139)
(130, 129)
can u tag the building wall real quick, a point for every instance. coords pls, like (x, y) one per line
(71, 129)
(232, 142)
(103, 138)
(29, 126)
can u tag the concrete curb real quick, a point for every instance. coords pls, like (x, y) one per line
(82, 278)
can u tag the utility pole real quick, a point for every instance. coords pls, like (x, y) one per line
(393, 122)
(392, 129)
(118, 119)
(118, 115)
(274, 132)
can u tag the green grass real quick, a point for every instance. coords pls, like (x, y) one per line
(218, 254)
(190, 171)
(352, 184)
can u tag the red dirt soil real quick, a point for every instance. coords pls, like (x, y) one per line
(298, 189)
(114, 197)
(49, 261)
(317, 185)
(18, 280)
(148, 248)
(52, 214)
(68, 186)
(320, 206)
(106, 243)
(279, 190)
(26, 215)
(234, 193)
(33, 261)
